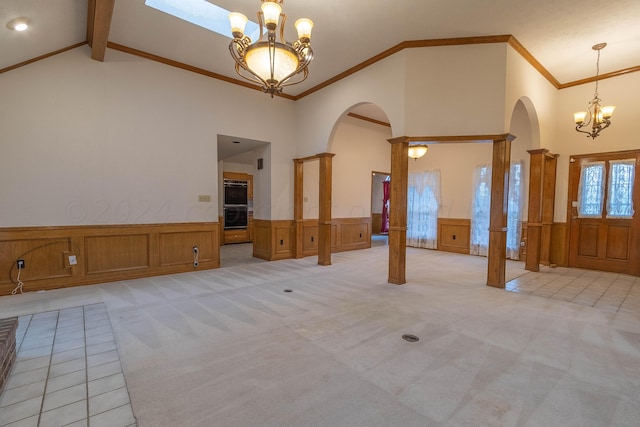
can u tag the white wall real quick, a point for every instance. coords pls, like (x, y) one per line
(311, 189)
(127, 141)
(554, 112)
(623, 92)
(318, 115)
(524, 83)
(238, 167)
(133, 141)
(360, 147)
(455, 90)
(522, 128)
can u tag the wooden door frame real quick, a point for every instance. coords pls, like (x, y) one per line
(496, 262)
(373, 173)
(576, 157)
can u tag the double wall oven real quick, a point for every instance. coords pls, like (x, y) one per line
(236, 205)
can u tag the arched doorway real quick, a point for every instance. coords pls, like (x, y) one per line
(340, 210)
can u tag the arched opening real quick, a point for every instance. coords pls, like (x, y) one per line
(539, 183)
(340, 180)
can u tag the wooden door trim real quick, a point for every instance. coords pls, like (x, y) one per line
(634, 223)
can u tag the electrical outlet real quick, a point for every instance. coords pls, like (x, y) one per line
(20, 264)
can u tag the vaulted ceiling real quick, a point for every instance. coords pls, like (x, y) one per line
(558, 34)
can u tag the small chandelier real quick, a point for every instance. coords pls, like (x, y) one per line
(417, 151)
(270, 63)
(597, 116)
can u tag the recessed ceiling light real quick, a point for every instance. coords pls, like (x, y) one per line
(18, 24)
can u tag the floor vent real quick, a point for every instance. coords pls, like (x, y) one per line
(410, 338)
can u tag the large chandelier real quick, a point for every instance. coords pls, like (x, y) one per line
(597, 116)
(270, 63)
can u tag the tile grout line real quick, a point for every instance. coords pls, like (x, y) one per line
(567, 284)
(626, 295)
(46, 381)
(126, 387)
(605, 291)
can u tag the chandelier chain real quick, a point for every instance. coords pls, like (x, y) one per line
(597, 72)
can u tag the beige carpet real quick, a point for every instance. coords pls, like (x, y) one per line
(228, 347)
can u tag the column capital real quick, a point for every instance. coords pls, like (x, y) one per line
(398, 140)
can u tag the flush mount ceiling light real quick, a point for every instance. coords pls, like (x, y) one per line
(270, 63)
(417, 151)
(18, 24)
(596, 116)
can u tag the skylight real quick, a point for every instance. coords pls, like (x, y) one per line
(204, 14)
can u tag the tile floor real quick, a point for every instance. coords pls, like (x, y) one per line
(67, 372)
(606, 291)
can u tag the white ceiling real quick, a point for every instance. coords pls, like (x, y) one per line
(558, 33)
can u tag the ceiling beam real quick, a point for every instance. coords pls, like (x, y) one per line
(99, 17)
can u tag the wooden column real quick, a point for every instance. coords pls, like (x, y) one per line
(498, 215)
(324, 214)
(298, 174)
(548, 203)
(534, 215)
(398, 211)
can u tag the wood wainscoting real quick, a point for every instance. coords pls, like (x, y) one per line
(454, 235)
(350, 234)
(104, 253)
(274, 240)
(376, 223)
(558, 250)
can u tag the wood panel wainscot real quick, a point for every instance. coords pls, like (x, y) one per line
(347, 234)
(376, 223)
(273, 240)
(64, 256)
(558, 250)
(350, 234)
(454, 235)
